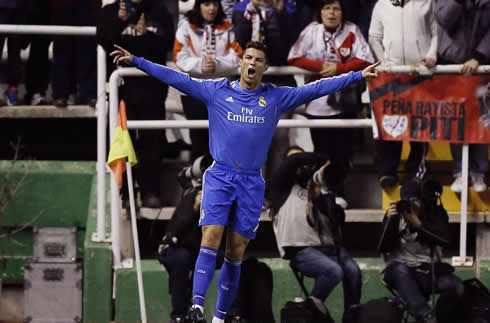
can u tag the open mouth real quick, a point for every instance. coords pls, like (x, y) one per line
(251, 72)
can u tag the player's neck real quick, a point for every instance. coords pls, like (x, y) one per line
(249, 86)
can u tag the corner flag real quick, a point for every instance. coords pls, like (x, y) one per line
(121, 147)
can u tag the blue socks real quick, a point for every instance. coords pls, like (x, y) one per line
(203, 274)
(228, 283)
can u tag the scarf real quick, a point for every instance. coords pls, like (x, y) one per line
(259, 17)
(209, 39)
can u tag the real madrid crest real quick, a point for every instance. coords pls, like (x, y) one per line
(345, 52)
(262, 101)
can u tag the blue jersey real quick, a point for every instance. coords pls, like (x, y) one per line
(242, 122)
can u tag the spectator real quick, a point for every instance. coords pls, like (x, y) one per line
(308, 225)
(329, 47)
(413, 231)
(147, 30)
(401, 33)
(272, 22)
(74, 57)
(464, 38)
(205, 46)
(227, 6)
(365, 13)
(12, 13)
(37, 73)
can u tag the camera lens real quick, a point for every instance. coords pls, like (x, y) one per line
(403, 206)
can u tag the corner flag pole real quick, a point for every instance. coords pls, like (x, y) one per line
(136, 245)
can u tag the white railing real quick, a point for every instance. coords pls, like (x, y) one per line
(113, 99)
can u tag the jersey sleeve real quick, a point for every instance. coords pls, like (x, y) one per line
(292, 97)
(202, 90)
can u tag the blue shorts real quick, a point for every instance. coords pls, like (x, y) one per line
(232, 197)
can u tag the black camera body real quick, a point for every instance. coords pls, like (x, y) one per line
(403, 207)
(329, 175)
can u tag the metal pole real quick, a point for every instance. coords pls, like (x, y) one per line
(115, 205)
(283, 123)
(136, 245)
(51, 30)
(101, 142)
(464, 204)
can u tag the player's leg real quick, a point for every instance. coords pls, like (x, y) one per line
(243, 225)
(229, 275)
(216, 203)
(205, 267)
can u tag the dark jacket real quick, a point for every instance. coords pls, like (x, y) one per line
(153, 45)
(280, 32)
(184, 223)
(284, 177)
(464, 30)
(434, 230)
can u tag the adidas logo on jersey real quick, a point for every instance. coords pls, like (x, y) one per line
(229, 99)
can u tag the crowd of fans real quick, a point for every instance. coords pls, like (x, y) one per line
(325, 37)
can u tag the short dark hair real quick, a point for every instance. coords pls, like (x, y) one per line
(195, 16)
(323, 3)
(257, 45)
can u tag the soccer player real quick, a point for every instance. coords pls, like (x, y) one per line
(243, 115)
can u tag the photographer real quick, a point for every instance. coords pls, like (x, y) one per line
(413, 231)
(308, 228)
(179, 247)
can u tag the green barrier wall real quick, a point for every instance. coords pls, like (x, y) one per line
(40, 194)
(286, 288)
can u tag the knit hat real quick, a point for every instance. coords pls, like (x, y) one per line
(411, 189)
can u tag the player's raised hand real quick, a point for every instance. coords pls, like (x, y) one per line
(121, 55)
(370, 71)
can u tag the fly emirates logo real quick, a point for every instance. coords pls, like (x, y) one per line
(246, 116)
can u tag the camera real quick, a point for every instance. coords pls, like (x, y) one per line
(329, 175)
(192, 175)
(403, 207)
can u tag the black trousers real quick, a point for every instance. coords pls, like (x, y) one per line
(37, 74)
(14, 43)
(179, 262)
(74, 57)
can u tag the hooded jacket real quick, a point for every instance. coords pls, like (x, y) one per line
(464, 30)
(280, 30)
(402, 35)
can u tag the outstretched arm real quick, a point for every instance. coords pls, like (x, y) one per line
(200, 89)
(294, 97)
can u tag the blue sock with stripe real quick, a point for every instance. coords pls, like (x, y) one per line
(228, 283)
(203, 274)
